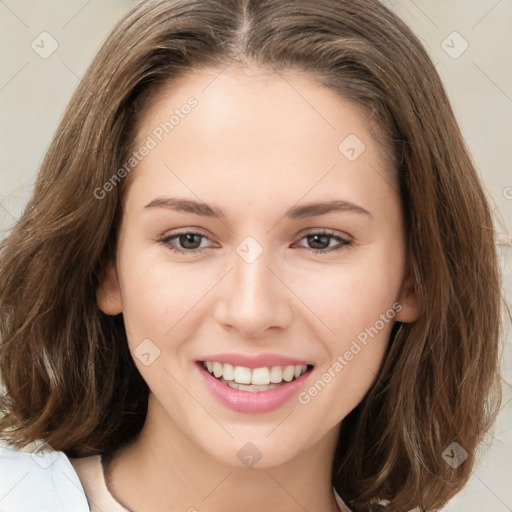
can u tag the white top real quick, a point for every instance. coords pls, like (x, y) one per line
(39, 482)
(52, 482)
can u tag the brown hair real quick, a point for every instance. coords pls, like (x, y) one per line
(67, 370)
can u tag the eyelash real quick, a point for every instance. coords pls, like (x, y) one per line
(344, 242)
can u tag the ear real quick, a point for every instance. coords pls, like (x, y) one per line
(108, 294)
(410, 310)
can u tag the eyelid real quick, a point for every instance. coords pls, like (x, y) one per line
(325, 231)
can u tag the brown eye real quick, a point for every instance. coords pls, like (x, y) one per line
(189, 239)
(185, 242)
(319, 242)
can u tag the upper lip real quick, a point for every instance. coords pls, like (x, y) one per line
(255, 361)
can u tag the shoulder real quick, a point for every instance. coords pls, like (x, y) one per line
(42, 481)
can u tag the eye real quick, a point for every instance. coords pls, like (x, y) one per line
(321, 240)
(189, 241)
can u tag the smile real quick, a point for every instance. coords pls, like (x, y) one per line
(253, 390)
(256, 379)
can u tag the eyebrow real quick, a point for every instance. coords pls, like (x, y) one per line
(296, 212)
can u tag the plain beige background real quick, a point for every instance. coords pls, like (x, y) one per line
(469, 40)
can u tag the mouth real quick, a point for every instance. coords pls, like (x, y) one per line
(253, 380)
(253, 390)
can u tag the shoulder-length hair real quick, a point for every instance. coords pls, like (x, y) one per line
(68, 374)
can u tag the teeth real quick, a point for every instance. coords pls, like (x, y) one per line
(217, 369)
(243, 387)
(243, 377)
(289, 373)
(276, 374)
(260, 377)
(229, 372)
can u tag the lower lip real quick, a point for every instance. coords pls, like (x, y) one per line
(251, 401)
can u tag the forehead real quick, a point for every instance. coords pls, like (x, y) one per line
(265, 100)
(253, 130)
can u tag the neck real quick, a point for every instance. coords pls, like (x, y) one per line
(162, 469)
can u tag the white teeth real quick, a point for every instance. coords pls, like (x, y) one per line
(276, 374)
(253, 388)
(217, 369)
(264, 377)
(260, 377)
(289, 373)
(242, 375)
(229, 372)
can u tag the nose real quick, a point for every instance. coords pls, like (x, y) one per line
(252, 299)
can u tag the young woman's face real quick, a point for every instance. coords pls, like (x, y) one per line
(262, 230)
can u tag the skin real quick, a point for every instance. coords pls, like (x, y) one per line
(253, 147)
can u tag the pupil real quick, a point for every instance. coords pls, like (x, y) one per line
(189, 237)
(315, 239)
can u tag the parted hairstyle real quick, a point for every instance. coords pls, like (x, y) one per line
(68, 374)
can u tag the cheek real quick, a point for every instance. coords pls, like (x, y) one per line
(160, 296)
(149, 292)
(360, 312)
(350, 297)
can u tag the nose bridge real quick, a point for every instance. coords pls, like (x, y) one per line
(253, 299)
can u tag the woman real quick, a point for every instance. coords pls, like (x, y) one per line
(331, 341)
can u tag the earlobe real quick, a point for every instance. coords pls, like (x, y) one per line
(408, 300)
(108, 296)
